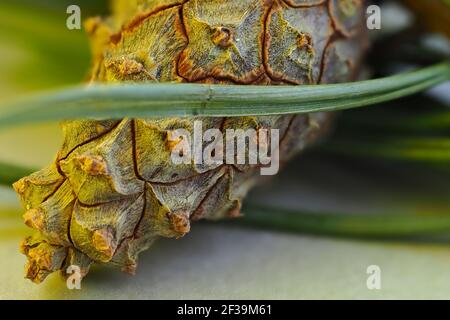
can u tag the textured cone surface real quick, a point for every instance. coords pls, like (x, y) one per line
(113, 188)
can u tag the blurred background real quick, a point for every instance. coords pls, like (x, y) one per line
(391, 159)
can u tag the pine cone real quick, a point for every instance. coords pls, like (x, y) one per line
(113, 188)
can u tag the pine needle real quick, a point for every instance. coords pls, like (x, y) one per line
(168, 100)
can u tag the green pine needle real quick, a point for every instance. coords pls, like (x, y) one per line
(349, 225)
(165, 100)
(420, 149)
(10, 173)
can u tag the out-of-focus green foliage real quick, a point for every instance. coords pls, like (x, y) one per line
(414, 130)
(350, 225)
(37, 50)
(10, 172)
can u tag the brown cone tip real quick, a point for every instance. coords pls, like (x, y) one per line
(43, 259)
(34, 218)
(103, 241)
(180, 222)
